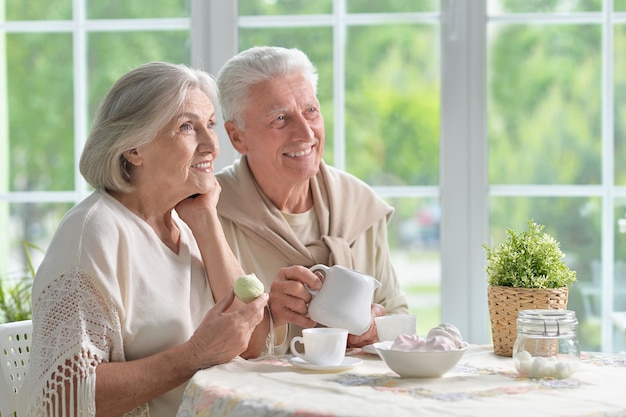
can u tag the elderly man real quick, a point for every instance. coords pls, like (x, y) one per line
(282, 208)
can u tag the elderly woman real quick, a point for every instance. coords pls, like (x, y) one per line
(283, 209)
(126, 304)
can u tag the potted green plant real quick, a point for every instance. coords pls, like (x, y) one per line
(15, 294)
(524, 272)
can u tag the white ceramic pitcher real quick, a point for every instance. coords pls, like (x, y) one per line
(344, 300)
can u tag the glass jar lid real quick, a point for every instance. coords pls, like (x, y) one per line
(547, 322)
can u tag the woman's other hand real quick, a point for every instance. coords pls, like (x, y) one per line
(194, 208)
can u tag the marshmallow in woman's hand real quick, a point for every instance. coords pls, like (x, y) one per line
(248, 288)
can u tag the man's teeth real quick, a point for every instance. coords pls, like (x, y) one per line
(301, 153)
(204, 165)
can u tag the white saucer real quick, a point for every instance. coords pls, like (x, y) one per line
(347, 363)
(372, 349)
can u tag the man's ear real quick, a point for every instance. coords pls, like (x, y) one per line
(235, 134)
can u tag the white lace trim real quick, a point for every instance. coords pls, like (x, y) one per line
(75, 329)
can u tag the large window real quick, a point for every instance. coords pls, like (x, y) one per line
(468, 119)
(57, 60)
(555, 141)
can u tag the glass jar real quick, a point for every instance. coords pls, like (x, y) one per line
(546, 344)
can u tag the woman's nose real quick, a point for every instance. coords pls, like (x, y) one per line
(208, 141)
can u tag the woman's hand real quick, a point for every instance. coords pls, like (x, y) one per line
(194, 208)
(223, 334)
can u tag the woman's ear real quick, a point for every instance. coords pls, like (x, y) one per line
(133, 157)
(236, 137)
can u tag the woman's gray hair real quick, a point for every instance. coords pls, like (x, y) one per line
(255, 65)
(136, 108)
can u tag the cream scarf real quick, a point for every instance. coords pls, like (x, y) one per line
(345, 207)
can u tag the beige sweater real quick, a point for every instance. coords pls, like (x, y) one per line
(351, 230)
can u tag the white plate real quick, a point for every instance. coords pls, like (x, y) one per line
(347, 363)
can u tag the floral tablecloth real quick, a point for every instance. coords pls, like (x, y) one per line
(481, 384)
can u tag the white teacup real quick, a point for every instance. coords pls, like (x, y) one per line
(390, 327)
(322, 345)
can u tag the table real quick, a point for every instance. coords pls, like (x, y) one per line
(481, 384)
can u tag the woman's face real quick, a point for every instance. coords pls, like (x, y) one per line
(181, 158)
(284, 134)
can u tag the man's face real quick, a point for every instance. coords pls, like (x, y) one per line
(284, 131)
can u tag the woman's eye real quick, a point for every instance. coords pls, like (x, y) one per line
(211, 125)
(187, 127)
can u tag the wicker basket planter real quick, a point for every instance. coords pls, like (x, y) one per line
(506, 302)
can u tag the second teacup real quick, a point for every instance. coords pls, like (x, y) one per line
(390, 327)
(322, 345)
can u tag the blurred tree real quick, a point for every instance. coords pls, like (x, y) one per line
(545, 127)
(392, 105)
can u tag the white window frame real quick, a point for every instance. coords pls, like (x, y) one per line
(464, 188)
(463, 191)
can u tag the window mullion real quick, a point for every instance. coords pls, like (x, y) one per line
(463, 177)
(214, 40)
(339, 84)
(608, 177)
(81, 92)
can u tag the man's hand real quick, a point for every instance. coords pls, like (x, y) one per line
(289, 297)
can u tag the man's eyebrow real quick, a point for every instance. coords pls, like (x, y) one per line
(313, 103)
(277, 111)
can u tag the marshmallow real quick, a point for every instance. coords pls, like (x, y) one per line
(440, 338)
(408, 342)
(449, 331)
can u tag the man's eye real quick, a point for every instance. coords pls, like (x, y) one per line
(311, 113)
(280, 118)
